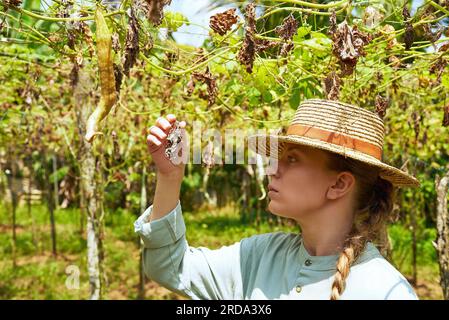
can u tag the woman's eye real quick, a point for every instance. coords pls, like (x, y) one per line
(291, 159)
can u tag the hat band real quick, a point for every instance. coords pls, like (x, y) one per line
(335, 138)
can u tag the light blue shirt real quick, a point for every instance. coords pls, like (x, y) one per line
(264, 266)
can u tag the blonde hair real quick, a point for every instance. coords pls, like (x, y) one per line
(373, 206)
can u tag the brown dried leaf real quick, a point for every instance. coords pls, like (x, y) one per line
(390, 31)
(222, 22)
(348, 46)
(286, 48)
(131, 43)
(416, 126)
(409, 35)
(155, 10)
(381, 105)
(395, 61)
(118, 73)
(12, 3)
(409, 32)
(248, 50)
(264, 44)
(372, 17)
(74, 74)
(115, 42)
(444, 47)
(332, 85)
(446, 116)
(210, 82)
(437, 68)
(288, 28)
(332, 23)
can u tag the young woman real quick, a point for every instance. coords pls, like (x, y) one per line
(330, 178)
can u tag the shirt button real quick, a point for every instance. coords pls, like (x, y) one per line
(298, 289)
(308, 262)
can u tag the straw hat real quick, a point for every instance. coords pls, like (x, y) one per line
(340, 128)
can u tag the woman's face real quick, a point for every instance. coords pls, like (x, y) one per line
(300, 183)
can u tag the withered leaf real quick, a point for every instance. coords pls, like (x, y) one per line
(444, 47)
(118, 77)
(416, 123)
(437, 68)
(381, 105)
(409, 32)
(209, 80)
(286, 48)
(251, 44)
(12, 3)
(332, 85)
(446, 116)
(264, 44)
(131, 43)
(74, 74)
(348, 43)
(332, 23)
(288, 28)
(115, 42)
(430, 35)
(248, 49)
(222, 22)
(155, 10)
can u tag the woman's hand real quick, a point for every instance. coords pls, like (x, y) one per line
(156, 141)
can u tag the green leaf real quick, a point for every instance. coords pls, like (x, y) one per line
(302, 32)
(174, 20)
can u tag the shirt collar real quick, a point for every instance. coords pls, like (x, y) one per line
(327, 263)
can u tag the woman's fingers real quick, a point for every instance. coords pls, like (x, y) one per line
(158, 132)
(171, 118)
(152, 140)
(163, 123)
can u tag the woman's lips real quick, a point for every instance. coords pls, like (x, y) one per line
(272, 191)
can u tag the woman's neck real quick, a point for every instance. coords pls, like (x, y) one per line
(325, 234)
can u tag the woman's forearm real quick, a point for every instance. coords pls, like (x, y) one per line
(166, 195)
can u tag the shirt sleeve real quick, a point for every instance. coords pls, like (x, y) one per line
(401, 290)
(194, 272)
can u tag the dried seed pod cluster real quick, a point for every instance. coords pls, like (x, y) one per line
(173, 144)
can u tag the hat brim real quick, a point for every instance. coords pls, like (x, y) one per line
(396, 176)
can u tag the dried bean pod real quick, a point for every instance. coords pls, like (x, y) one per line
(107, 78)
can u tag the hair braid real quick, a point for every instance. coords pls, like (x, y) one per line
(368, 221)
(353, 247)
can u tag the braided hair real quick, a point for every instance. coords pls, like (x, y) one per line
(373, 207)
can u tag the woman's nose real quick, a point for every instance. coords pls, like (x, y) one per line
(273, 168)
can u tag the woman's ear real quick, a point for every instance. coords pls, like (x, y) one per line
(343, 183)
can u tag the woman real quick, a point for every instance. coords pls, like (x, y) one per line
(330, 178)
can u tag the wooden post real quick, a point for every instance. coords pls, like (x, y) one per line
(89, 186)
(442, 242)
(143, 206)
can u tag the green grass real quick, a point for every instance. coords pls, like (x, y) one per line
(39, 275)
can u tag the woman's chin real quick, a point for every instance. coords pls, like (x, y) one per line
(272, 207)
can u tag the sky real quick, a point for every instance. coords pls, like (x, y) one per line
(195, 11)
